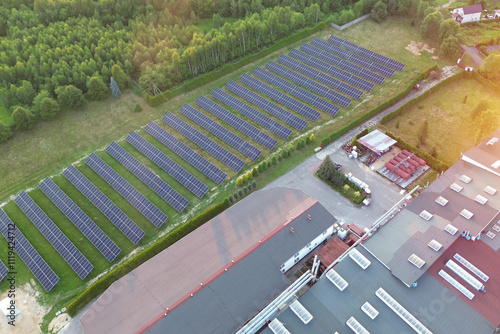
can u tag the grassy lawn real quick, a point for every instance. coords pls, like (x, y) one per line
(52, 145)
(449, 119)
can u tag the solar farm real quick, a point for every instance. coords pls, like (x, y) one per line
(137, 186)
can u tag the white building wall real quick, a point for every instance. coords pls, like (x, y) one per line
(471, 17)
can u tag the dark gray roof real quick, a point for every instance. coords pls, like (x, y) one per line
(430, 302)
(237, 295)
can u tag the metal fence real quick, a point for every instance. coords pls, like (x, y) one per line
(347, 25)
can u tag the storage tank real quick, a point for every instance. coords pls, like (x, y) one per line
(342, 233)
(389, 166)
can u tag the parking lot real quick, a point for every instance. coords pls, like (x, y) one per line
(384, 193)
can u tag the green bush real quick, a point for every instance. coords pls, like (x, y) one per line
(239, 181)
(103, 283)
(255, 172)
(308, 140)
(240, 192)
(254, 184)
(264, 165)
(244, 178)
(5, 132)
(312, 138)
(274, 161)
(298, 146)
(261, 168)
(245, 190)
(235, 195)
(269, 164)
(231, 199)
(137, 107)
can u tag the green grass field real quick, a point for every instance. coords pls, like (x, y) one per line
(449, 119)
(52, 145)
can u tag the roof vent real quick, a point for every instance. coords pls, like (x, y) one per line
(481, 199)
(416, 261)
(456, 187)
(451, 229)
(441, 201)
(456, 284)
(426, 215)
(466, 214)
(465, 179)
(490, 190)
(435, 245)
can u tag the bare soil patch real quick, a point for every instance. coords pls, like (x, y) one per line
(418, 47)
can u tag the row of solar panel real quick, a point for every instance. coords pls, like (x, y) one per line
(353, 57)
(323, 78)
(386, 61)
(342, 63)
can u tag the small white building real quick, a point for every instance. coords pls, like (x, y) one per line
(496, 13)
(467, 13)
(9, 309)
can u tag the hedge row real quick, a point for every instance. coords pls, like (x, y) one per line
(434, 163)
(339, 132)
(102, 284)
(486, 82)
(422, 96)
(231, 67)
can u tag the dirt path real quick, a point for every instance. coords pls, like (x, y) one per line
(447, 4)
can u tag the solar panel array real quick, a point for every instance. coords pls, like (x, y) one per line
(133, 232)
(323, 78)
(132, 195)
(280, 97)
(339, 62)
(77, 261)
(363, 61)
(296, 91)
(309, 84)
(353, 57)
(153, 181)
(386, 61)
(185, 152)
(251, 113)
(266, 105)
(3, 271)
(28, 254)
(204, 142)
(236, 122)
(80, 219)
(332, 70)
(168, 165)
(220, 132)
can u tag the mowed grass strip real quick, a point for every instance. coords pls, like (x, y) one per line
(449, 119)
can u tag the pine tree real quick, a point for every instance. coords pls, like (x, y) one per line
(115, 90)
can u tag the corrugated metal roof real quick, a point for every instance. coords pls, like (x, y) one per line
(473, 9)
(377, 141)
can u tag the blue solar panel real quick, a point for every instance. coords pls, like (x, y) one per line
(185, 152)
(339, 62)
(296, 91)
(204, 142)
(95, 235)
(77, 261)
(168, 165)
(386, 61)
(153, 181)
(266, 105)
(280, 97)
(104, 204)
(220, 132)
(332, 70)
(353, 57)
(321, 77)
(28, 254)
(251, 113)
(309, 84)
(236, 122)
(3, 271)
(132, 195)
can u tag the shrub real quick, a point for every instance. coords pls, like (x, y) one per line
(298, 146)
(346, 187)
(96, 89)
(23, 119)
(70, 96)
(249, 176)
(312, 138)
(137, 107)
(434, 152)
(239, 181)
(254, 184)
(245, 190)
(261, 169)
(269, 164)
(356, 193)
(49, 108)
(274, 160)
(308, 140)
(279, 157)
(5, 132)
(255, 172)
(397, 124)
(240, 193)
(303, 143)
(120, 76)
(244, 178)
(235, 195)
(226, 201)
(264, 165)
(231, 199)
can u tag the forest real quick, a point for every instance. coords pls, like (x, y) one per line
(47, 45)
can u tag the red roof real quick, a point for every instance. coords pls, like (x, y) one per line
(473, 9)
(487, 260)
